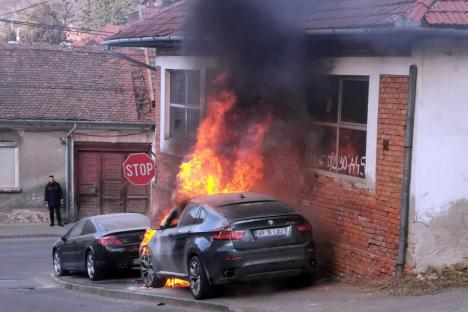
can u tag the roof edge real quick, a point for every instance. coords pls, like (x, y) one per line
(139, 40)
(53, 122)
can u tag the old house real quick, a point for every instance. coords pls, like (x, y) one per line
(76, 114)
(395, 97)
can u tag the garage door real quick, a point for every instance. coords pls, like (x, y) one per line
(102, 188)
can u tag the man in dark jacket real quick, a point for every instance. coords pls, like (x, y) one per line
(53, 198)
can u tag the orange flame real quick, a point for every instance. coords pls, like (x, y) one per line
(215, 165)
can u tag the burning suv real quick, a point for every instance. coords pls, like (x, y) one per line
(227, 238)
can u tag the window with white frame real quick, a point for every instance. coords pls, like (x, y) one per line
(8, 165)
(340, 107)
(184, 103)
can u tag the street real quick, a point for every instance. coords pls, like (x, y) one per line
(26, 285)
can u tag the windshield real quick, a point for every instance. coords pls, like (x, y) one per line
(124, 221)
(254, 210)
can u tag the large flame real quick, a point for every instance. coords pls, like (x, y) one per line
(224, 159)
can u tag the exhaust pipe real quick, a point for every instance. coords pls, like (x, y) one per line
(228, 273)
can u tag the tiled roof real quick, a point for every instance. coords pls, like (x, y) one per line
(166, 22)
(51, 83)
(329, 14)
(448, 13)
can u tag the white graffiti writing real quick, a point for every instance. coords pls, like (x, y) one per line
(354, 165)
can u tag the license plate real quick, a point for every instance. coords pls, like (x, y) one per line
(284, 231)
(136, 261)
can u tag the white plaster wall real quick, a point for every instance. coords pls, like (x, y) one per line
(439, 190)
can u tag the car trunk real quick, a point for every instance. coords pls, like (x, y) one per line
(269, 231)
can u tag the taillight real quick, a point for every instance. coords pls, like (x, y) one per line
(304, 228)
(227, 234)
(110, 240)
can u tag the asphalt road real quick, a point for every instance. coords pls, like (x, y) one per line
(25, 284)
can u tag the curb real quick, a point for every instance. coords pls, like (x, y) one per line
(130, 295)
(28, 236)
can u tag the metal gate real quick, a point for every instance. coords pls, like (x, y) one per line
(101, 187)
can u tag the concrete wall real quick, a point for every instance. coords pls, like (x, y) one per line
(439, 222)
(40, 154)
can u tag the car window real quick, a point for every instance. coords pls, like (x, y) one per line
(172, 220)
(121, 221)
(77, 229)
(89, 228)
(202, 214)
(190, 216)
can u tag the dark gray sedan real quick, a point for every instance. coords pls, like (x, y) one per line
(99, 244)
(227, 238)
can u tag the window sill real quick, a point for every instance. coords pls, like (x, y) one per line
(347, 182)
(10, 190)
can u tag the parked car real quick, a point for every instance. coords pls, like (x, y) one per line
(99, 244)
(227, 238)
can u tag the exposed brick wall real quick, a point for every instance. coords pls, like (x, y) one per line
(357, 230)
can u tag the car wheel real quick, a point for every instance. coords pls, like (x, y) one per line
(57, 262)
(94, 273)
(199, 284)
(147, 273)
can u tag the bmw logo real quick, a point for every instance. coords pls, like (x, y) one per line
(271, 222)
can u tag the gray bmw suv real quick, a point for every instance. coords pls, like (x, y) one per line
(227, 238)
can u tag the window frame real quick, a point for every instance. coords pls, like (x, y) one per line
(339, 124)
(185, 106)
(14, 146)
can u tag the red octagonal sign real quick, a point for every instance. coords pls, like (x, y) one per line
(139, 169)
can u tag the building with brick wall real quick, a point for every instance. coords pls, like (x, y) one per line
(385, 192)
(76, 114)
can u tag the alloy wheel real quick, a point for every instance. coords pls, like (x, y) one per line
(90, 265)
(146, 270)
(57, 264)
(194, 270)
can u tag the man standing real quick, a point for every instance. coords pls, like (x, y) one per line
(53, 198)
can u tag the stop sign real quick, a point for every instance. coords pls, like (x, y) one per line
(139, 169)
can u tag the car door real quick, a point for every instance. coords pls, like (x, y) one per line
(162, 243)
(69, 246)
(188, 222)
(82, 241)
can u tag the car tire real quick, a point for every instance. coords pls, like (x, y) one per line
(94, 273)
(57, 263)
(199, 283)
(147, 273)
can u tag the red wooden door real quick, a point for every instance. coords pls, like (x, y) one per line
(102, 188)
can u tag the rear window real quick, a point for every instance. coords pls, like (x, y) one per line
(112, 223)
(254, 210)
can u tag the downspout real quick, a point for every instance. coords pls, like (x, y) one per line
(68, 171)
(405, 196)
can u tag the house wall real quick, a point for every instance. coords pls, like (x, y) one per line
(439, 190)
(40, 154)
(356, 221)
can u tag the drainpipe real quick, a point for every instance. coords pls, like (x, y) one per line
(405, 196)
(68, 171)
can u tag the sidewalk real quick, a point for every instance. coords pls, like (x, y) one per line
(322, 296)
(31, 230)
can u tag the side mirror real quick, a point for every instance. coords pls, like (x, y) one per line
(156, 224)
(64, 238)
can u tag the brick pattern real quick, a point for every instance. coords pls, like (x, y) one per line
(356, 230)
(46, 82)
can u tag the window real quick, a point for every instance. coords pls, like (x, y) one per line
(77, 229)
(172, 220)
(340, 108)
(190, 216)
(8, 165)
(184, 103)
(89, 228)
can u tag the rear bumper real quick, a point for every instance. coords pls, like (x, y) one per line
(118, 258)
(239, 266)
